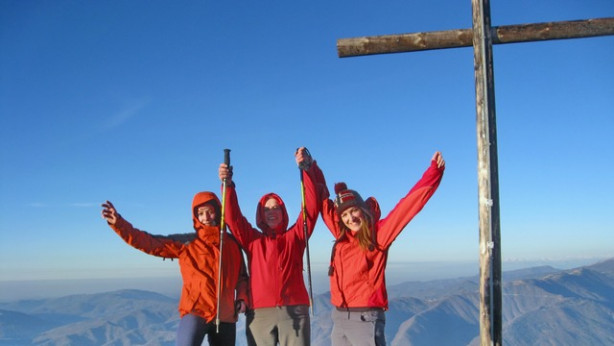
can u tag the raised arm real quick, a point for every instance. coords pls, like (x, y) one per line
(314, 187)
(141, 240)
(233, 217)
(410, 205)
(330, 218)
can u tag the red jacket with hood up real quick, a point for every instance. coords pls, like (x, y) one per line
(358, 276)
(198, 262)
(275, 259)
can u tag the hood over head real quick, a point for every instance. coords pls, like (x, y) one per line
(204, 198)
(373, 208)
(260, 220)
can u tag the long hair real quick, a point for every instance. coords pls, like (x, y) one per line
(365, 234)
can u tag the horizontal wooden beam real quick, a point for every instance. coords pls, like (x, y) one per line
(386, 44)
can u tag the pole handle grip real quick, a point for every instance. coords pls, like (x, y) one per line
(227, 157)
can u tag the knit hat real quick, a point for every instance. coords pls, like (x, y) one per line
(347, 198)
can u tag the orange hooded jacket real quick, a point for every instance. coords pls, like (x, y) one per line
(357, 276)
(198, 262)
(275, 259)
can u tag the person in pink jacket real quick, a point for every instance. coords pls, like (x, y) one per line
(360, 253)
(279, 312)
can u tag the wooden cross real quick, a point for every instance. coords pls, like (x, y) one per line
(482, 36)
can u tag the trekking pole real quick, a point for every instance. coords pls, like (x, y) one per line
(222, 230)
(301, 169)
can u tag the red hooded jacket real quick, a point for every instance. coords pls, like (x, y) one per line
(275, 259)
(198, 262)
(357, 276)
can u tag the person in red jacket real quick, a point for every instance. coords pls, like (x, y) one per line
(360, 253)
(280, 304)
(198, 262)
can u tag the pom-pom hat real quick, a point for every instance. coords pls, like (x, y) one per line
(347, 198)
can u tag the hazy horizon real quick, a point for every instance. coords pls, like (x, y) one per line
(169, 282)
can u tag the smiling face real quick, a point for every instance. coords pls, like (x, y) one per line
(352, 218)
(206, 215)
(272, 213)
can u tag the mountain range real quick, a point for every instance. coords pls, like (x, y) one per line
(541, 306)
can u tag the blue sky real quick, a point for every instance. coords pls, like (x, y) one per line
(134, 102)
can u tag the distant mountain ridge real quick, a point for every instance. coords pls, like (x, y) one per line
(541, 306)
(126, 317)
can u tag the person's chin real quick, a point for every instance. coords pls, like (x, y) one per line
(354, 228)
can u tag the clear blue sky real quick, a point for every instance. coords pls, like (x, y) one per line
(134, 102)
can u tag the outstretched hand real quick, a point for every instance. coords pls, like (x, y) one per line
(225, 172)
(109, 213)
(438, 158)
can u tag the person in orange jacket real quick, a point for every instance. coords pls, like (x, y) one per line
(279, 311)
(360, 253)
(198, 262)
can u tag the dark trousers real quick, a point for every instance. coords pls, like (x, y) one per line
(192, 330)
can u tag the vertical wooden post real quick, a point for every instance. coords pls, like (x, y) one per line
(488, 181)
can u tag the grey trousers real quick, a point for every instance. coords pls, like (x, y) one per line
(283, 325)
(358, 327)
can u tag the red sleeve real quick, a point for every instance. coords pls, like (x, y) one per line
(330, 218)
(327, 206)
(236, 222)
(141, 240)
(315, 190)
(409, 206)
